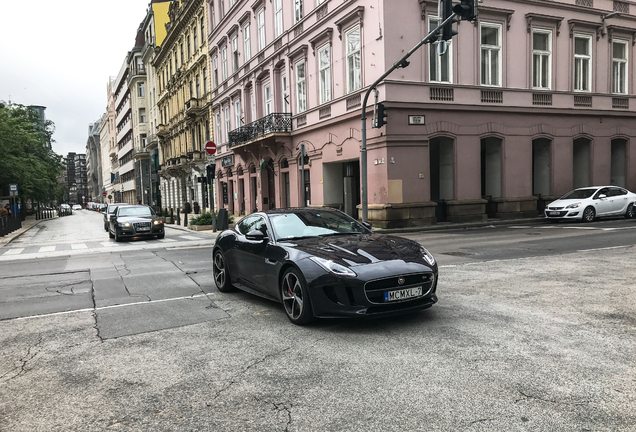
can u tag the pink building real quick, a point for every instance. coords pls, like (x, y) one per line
(527, 103)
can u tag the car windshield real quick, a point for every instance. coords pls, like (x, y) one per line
(112, 209)
(579, 194)
(313, 224)
(134, 211)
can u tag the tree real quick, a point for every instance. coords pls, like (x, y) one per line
(25, 157)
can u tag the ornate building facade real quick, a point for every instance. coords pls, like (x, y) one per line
(183, 103)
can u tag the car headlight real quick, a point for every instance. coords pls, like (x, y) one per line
(333, 267)
(575, 205)
(430, 259)
(157, 222)
(125, 224)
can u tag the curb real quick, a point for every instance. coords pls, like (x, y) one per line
(458, 226)
(18, 234)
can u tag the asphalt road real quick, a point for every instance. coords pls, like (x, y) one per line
(534, 331)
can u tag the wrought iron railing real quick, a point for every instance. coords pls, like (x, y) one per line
(272, 123)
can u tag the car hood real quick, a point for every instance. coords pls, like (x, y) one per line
(359, 249)
(134, 219)
(567, 202)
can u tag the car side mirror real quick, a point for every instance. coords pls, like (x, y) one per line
(368, 225)
(255, 235)
(601, 196)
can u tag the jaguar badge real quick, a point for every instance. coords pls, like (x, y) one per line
(401, 281)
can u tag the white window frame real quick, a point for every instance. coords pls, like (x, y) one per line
(543, 56)
(579, 61)
(301, 86)
(215, 71)
(235, 54)
(625, 68)
(492, 50)
(246, 42)
(198, 86)
(205, 81)
(324, 75)
(218, 127)
(283, 88)
(227, 123)
(267, 99)
(298, 10)
(224, 63)
(433, 21)
(253, 101)
(352, 85)
(260, 20)
(237, 112)
(278, 18)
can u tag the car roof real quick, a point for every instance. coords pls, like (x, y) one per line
(297, 210)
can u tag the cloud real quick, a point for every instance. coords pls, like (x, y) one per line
(61, 54)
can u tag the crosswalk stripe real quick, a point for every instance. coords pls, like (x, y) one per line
(108, 244)
(14, 251)
(190, 237)
(167, 240)
(78, 246)
(47, 249)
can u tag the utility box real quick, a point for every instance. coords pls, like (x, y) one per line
(222, 220)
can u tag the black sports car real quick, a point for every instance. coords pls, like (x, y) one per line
(135, 221)
(323, 263)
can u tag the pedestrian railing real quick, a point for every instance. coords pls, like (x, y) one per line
(8, 224)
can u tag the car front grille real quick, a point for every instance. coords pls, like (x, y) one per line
(374, 290)
(138, 225)
(555, 208)
(556, 214)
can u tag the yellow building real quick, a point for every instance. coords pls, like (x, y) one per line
(183, 105)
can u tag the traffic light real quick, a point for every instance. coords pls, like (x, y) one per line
(210, 172)
(447, 31)
(466, 10)
(380, 116)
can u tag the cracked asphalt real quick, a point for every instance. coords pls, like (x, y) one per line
(530, 334)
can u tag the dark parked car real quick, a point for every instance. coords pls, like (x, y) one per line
(323, 263)
(110, 210)
(135, 221)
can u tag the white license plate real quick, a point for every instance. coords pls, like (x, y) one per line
(143, 229)
(402, 294)
(553, 213)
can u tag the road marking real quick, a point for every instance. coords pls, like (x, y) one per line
(77, 246)
(167, 240)
(605, 248)
(109, 307)
(47, 249)
(108, 244)
(14, 251)
(189, 237)
(141, 242)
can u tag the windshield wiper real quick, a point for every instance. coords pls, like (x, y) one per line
(295, 238)
(339, 233)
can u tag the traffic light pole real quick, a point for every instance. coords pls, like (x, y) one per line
(363, 149)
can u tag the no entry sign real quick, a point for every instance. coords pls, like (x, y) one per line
(210, 147)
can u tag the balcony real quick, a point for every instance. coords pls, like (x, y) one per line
(136, 71)
(193, 107)
(275, 123)
(140, 153)
(162, 131)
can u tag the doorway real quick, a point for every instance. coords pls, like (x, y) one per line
(442, 173)
(581, 163)
(618, 172)
(541, 166)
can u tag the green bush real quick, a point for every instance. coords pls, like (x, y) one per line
(204, 218)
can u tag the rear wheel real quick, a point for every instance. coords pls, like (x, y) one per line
(110, 234)
(629, 213)
(295, 297)
(220, 272)
(589, 214)
(105, 227)
(117, 238)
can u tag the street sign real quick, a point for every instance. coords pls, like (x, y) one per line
(103, 193)
(210, 147)
(13, 187)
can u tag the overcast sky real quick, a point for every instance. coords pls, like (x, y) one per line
(60, 55)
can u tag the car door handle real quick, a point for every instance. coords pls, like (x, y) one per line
(270, 262)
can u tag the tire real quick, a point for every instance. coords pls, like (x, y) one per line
(589, 214)
(220, 273)
(105, 227)
(117, 238)
(295, 297)
(629, 213)
(110, 234)
(160, 236)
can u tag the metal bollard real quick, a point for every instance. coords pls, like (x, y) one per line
(178, 217)
(185, 220)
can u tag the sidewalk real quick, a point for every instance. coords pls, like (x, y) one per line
(27, 224)
(181, 226)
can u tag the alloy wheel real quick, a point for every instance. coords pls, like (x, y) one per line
(293, 296)
(219, 270)
(589, 214)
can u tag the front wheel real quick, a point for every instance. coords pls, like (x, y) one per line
(629, 213)
(589, 214)
(295, 297)
(220, 273)
(160, 236)
(117, 237)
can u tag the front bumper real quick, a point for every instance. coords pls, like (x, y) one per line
(576, 213)
(337, 297)
(131, 232)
